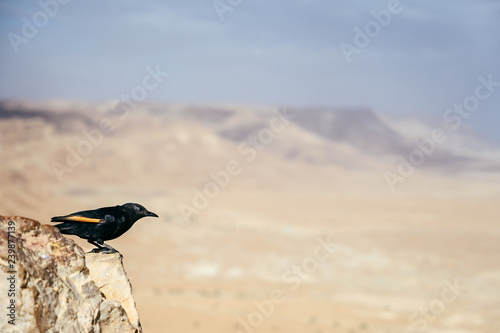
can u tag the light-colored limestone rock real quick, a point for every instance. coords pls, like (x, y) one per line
(52, 289)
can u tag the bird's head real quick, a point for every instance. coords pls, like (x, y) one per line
(139, 210)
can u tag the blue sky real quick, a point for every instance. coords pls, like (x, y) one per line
(426, 58)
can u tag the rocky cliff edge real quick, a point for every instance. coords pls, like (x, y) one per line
(49, 284)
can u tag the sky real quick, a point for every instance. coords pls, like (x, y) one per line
(400, 57)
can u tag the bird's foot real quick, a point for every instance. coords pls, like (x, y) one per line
(106, 249)
(101, 250)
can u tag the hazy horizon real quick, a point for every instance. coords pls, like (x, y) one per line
(412, 58)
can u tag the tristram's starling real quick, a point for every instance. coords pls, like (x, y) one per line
(102, 224)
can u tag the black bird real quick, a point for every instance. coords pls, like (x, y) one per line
(99, 225)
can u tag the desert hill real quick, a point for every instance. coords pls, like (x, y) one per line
(246, 194)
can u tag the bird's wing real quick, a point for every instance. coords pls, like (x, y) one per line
(90, 216)
(75, 218)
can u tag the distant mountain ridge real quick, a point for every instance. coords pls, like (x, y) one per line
(348, 137)
(360, 127)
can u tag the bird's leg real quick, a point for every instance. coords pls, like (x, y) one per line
(101, 247)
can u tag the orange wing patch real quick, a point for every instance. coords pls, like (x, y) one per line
(83, 219)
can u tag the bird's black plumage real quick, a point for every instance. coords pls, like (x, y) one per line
(102, 224)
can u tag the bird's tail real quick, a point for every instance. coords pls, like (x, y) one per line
(66, 228)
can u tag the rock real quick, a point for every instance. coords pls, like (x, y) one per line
(50, 286)
(108, 273)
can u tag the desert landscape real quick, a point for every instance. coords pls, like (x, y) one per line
(273, 219)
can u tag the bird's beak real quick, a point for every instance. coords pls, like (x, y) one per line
(151, 214)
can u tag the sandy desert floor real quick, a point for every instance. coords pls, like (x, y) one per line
(395, 265)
